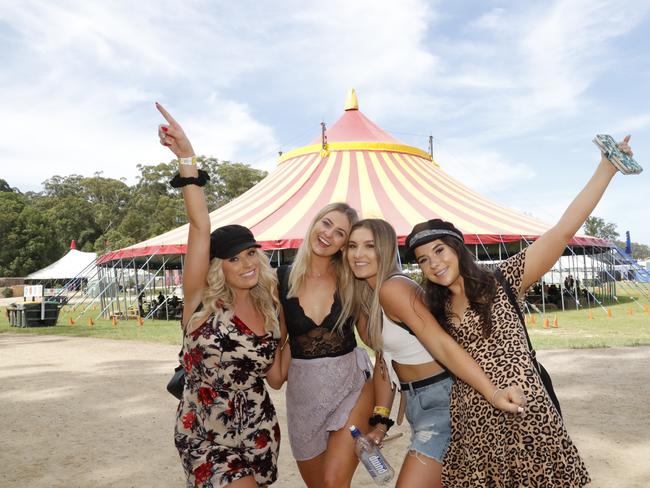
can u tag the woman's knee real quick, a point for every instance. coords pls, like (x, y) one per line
(336, 479)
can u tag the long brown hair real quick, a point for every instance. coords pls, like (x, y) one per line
(366, 299)
(480, 288)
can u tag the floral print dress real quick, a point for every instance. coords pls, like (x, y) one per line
(226, 425)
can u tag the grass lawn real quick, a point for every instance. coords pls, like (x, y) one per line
(575, 329)
(166, 332)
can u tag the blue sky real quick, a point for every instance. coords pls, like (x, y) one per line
(512, 92)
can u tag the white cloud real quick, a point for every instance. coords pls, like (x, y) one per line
(485, 171)
(630, 124)
(95, 69)
(80, 79)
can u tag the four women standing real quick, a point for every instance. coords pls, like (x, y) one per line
(227, 432)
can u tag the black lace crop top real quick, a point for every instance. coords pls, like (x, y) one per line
(307, 339)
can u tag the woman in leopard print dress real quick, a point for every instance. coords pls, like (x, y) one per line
(489, 448)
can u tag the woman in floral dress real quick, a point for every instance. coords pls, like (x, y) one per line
(227, 432)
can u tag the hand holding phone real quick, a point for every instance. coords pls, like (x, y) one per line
(622, 161)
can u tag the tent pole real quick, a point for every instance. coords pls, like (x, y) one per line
(166, 290)
(561, 286)
(575, 280)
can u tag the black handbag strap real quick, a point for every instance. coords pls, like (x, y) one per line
(513, 301)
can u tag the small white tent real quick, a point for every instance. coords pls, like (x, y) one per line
(75, 264)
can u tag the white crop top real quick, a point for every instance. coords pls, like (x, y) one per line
(401, 346)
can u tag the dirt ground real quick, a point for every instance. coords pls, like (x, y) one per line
(78, 412)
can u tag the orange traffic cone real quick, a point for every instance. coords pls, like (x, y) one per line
(555, 325)
(91, 322)
(630, 311)
(609, 313)
(546, 323)
(70, 320)
(114, 321)
(590, 316)
(140, 320)
(533, 319)
(646, 309)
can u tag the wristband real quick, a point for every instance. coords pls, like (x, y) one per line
(189, 161)
(383, 411)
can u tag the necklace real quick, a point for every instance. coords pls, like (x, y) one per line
(316, 274)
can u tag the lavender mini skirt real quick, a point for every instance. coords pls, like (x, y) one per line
(321, 393)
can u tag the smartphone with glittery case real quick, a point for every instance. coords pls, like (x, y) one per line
(621, 161)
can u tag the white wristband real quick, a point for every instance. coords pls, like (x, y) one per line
(190, 161)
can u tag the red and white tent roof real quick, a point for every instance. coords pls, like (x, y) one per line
(374, 173)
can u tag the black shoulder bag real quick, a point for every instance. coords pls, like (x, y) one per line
(177, 383)
(543, 374)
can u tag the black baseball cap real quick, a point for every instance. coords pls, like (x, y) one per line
(230, 240)
(430, 231)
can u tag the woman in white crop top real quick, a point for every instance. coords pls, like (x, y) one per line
(389, 301)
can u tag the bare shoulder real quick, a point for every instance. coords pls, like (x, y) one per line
(397, 290)
(396, 284)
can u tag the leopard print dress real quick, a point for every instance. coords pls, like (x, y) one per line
(493, 449)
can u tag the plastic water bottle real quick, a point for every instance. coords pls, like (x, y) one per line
(371, 457)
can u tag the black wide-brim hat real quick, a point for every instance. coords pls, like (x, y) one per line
(428, 231)
(230, 240)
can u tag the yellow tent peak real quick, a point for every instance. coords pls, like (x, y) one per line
(351, 102)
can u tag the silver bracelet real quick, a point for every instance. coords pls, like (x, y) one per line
(495, 394)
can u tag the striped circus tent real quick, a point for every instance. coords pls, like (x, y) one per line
(357, 162)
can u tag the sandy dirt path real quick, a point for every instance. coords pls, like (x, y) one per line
(79, 412)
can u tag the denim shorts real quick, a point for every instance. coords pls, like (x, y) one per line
(427, 411)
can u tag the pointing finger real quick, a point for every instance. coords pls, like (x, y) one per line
(166, 114)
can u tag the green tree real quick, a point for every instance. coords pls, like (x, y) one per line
(233, 179)
(12, 205)
(103, 213)
(597, 227)
(227, 180)
(4, 186)
(155, 207)
(83, 208)
(26, 243)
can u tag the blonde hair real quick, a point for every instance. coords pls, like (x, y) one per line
(365, 298)
(343, 275)
(218, 297)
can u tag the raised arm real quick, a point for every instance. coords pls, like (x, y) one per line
(197, 257)
(401, 299)
(545, 251)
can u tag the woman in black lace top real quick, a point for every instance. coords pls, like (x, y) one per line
(327, 388)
